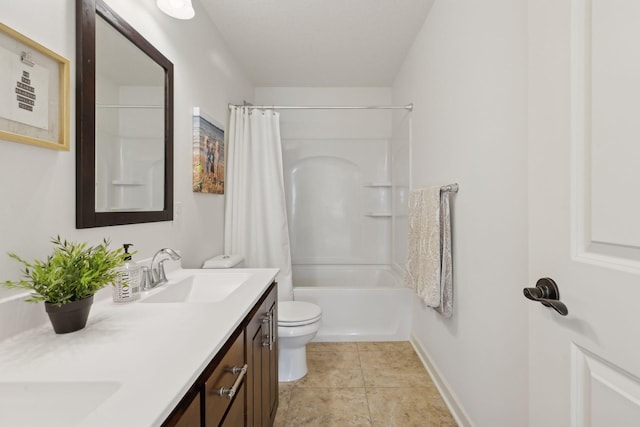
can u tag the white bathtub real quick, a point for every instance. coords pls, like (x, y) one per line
(359, 302)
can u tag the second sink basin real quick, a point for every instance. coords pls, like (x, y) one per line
(199, 287)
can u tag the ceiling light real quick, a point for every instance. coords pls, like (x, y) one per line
(180, 9)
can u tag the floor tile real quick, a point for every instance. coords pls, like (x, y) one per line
(382, 359)
(398, 393)
(285, 392)
(393, 369)
(331, 346)
(400, 407)
(281, 417)
(332, 369)
(395, 346)
(284, 397)
(328, 407)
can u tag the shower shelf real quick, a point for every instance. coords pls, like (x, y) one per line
(378, 214)
(378, 199)
(127, 183)
(378, 184)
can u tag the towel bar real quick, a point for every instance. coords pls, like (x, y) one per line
(453, 188)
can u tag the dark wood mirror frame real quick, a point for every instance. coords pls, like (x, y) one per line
(86, 215)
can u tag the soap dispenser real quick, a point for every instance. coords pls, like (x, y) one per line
(127, 284)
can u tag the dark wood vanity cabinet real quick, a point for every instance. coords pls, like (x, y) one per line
(262, 359)
(255, 402)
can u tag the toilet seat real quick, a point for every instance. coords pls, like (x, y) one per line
(298, 313)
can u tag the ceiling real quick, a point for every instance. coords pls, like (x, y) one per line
(319, 42)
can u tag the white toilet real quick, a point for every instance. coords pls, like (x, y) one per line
(298, 323)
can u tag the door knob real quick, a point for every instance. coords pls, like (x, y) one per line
(546, 292)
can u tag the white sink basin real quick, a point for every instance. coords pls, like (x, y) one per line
(199, 287)
(60, 403)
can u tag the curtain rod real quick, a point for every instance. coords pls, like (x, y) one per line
(321, 107)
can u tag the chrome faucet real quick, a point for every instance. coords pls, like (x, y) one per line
(153, 277)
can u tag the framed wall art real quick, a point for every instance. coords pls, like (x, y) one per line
(208, 154)
(34, 92)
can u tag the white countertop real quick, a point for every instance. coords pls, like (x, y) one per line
(134, 360)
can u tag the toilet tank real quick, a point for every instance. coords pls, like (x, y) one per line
(224, 261)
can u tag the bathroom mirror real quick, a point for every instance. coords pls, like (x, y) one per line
(124, 123)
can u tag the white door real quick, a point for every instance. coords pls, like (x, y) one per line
(584, 210)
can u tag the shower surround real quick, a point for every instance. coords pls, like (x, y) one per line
(343, 210)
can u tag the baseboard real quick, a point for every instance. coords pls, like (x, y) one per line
(458, 413)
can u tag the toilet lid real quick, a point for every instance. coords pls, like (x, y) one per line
(298, 313)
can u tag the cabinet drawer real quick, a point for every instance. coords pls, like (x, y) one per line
(223, 377)
(235, 416)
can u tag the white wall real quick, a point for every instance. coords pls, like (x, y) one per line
(466, 75)
(38, 185)
(329, 158)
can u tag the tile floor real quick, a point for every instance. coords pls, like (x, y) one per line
(362, 384)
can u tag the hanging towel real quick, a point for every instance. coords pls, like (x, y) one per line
(424, 260)
(446, 270)
(429, 270)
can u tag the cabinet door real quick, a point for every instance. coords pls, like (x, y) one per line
(255, 338)
(262, 358)
(270, 373)
(265, 374)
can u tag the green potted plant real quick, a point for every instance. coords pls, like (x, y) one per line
(67, 280)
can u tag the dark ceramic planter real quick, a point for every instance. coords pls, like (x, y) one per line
(69, 317)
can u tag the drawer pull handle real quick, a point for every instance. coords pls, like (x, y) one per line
(230, 392)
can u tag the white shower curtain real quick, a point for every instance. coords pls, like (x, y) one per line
(255, 222)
